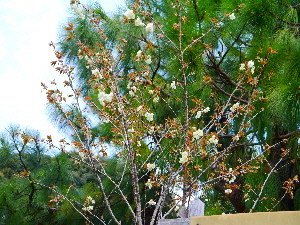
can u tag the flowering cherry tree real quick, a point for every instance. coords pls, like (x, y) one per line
(171, 158)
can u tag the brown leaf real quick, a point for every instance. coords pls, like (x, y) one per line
(25, 173)
(25, 139)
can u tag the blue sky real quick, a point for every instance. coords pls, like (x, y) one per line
(26, 28)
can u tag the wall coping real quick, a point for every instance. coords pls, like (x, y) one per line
(258, 218)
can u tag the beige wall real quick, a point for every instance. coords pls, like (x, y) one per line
(265, 218)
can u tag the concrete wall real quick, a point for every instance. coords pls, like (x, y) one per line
(180, 221)
(196, 208)
(265, 218)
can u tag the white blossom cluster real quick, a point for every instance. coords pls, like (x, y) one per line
(91, 64)
(139, 54)
(151, 202)
(131, 130)
(184, 157)
(249, 65)
(149, 116)
(228, 191)
(213, 140)
(150, 27)
(173, 85)
(97, 73)
(139, 108)
(151, 166)
(129, 14)
(149, 184)
(88, 208)
(199, 113)
(147, 58)
(206, 110)
(232, 16)
(88, 59)
(77, 11)
(138, 22)
(198, 134)
(88, 201)
(231, 178)
(104, 98)
(156, 99)
(234, 107)
(132, 90)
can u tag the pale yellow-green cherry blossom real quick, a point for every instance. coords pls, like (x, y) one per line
(228, 191)
(139, 53)
(206, 110)
(97, 73)
(138, 22)
(213, 140)
(242, 66)
(197, 134)
(149, 184)
(156, 99)
(234, 107)
(151, 202)
(198, 115)
(150, 27)
(151, 166)
(104, 98)
(232, 16)
(149, 116)
(173, 85)
(184, 157)
(78, 11)
(148, 59)
(251, 66)
(88, 208)
(129, 14)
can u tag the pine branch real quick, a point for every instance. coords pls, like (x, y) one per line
(282, 20)
(289, 134)
(228, 94)
(229, 48)
(222, 73)
(295, 6)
